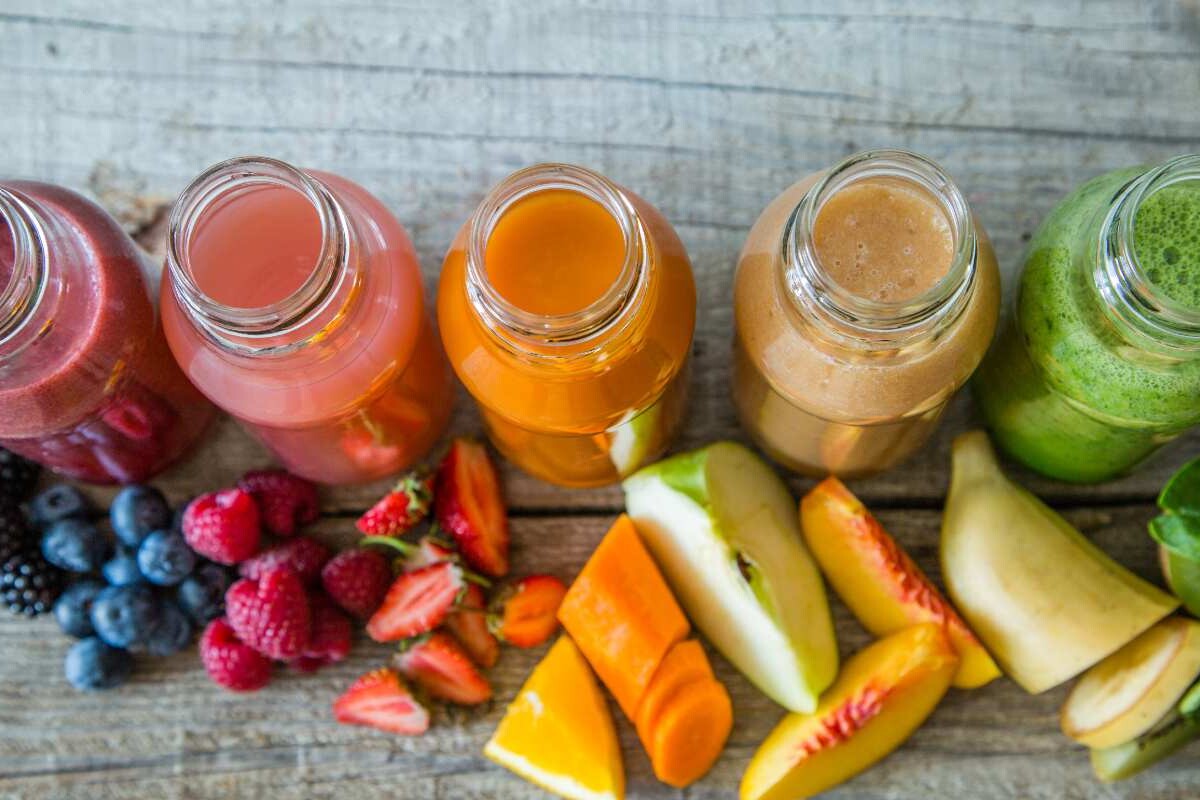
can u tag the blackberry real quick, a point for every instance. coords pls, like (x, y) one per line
(29, 584)
(15, 533)
(18, 476)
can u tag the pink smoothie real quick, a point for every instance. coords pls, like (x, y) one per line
(361, 389)
(88, 386)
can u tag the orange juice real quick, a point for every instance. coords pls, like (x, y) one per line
(567, 308)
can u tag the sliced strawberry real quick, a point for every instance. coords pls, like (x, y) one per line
(417, 602)
(429, 550)
(380, 700)
(470, 506)
(468, 624)
(439, 666)
(401, 508)
(526, 614)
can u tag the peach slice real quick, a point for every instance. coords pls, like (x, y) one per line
(882, 695)
(880, 583)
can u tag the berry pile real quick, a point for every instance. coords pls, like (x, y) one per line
(29, 585)
(277, 610)
(432, 599)
(141, 591)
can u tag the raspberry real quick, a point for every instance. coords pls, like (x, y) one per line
(284, 499)
(302, 555)
(357, 580)
(331, 633)
(229, 662)
(271, 614)
(223, 526)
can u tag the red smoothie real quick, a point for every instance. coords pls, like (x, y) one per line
(88, 386)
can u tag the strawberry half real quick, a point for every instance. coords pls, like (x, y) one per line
(429, 550)
(417, 602)
(526, 614)
(470, 507)
(400, 509)
(439, 666)
(468, 624)
(380, 700)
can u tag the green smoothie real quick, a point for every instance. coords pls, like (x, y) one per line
(1065, 389)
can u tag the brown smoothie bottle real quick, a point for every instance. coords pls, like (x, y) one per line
(865, 297)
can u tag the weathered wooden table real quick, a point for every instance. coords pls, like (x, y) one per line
(707, 109)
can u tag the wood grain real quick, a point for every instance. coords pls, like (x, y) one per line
(708, 109)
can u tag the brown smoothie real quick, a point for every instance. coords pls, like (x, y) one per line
(818, 400)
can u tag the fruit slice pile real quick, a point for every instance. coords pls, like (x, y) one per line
(435, 608)
(630, 628)
(558, 733)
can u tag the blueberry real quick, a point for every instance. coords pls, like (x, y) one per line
(92, 665)
(60, 501)
(202, 594)
(122, 569)
(125, 616)
(172, 633)
(136, 511)
(74, 608)
(165, 558)
(75, 545)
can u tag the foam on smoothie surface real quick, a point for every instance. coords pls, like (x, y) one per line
(883, 239)
(1166, 237)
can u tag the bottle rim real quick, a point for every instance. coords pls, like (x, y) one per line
(553, 334)
(30, 266)
(244, 328)
(880, 324)
(1131, 298)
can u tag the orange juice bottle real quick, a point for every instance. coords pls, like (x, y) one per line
(293, 300)
(567, 307)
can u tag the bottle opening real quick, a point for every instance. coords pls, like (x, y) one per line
(1149, 261)
(883, 243)
(255, 247)
(23, 264)
(554, 254)
(1166, 241)
(884, 239)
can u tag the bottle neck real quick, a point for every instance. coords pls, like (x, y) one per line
(862, 323)
(1141, 312)
(25, 233)
(294, 321)
(580, 335)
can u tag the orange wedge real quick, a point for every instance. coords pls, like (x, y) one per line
(559, 733)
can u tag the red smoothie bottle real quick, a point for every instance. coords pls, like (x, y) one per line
(88, 386)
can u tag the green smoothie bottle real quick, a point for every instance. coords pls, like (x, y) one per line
(1098, 364)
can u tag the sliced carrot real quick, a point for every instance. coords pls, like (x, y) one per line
(691, 733)
(685, 664)
(622, 615)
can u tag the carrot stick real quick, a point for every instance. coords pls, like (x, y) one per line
(622, 615)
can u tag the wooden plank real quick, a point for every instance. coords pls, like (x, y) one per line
(171, 734)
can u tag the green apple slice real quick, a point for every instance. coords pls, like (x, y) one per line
(725, 531)
(1128, 759)
(632, 441)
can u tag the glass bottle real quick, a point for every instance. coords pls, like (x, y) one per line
(567, 307)
(293, 299)
(88, 386)
(1098, 364)
(851, 381)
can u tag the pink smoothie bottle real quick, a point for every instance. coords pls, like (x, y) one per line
(88, 386)
(293, 300)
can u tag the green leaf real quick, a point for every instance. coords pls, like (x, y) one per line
(1179, 533)
(1182, 492)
